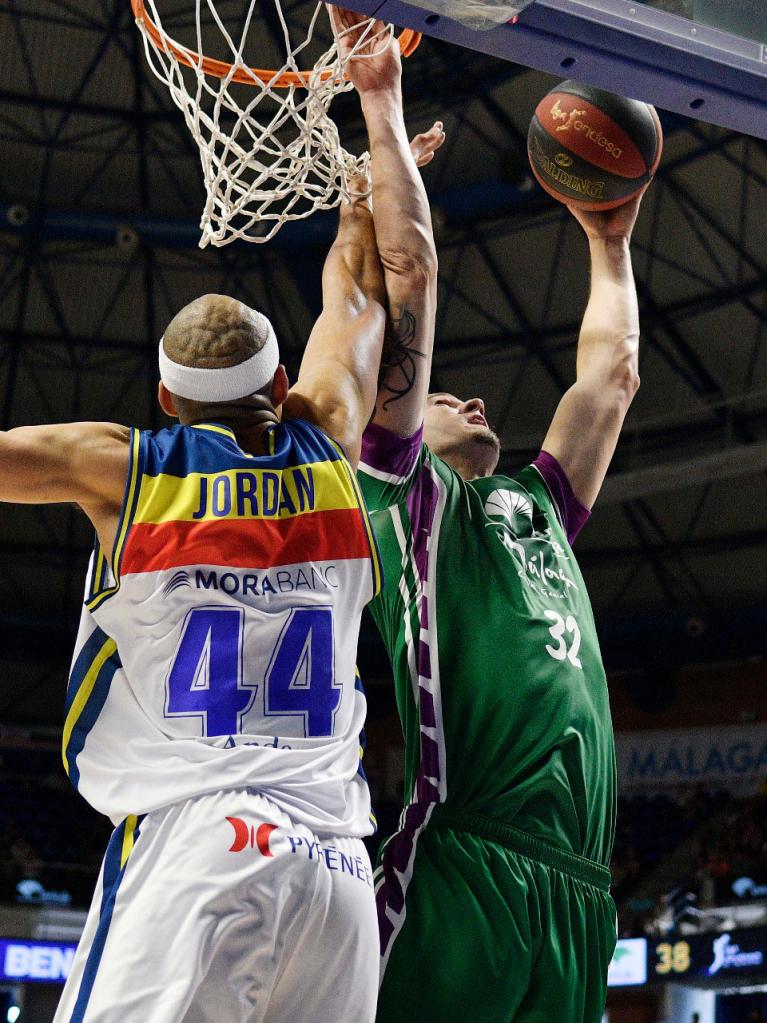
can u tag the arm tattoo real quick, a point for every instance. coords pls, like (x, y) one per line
(399, 366)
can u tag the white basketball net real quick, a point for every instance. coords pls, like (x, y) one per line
(276, 158)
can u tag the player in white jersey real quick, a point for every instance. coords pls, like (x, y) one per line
(213, 709)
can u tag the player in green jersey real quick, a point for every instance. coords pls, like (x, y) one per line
(493, 896)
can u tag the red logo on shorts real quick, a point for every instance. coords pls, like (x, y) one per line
(249, 836)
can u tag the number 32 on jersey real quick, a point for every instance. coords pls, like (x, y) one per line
(206, 678)
(566, 638)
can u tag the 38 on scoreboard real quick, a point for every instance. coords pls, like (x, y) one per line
(671, 958)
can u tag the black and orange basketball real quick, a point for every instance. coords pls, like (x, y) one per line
(591, 149)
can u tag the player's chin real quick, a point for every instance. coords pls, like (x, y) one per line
(485, 451)
(485, 437)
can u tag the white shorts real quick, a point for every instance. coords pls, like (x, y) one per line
(221, 909)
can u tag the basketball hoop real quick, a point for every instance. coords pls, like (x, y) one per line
(270, 152)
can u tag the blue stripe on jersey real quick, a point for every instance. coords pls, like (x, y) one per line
(113, 873)
(363, 738)
(93, 707)
(185, 449)
(310, 443)
(82, 665)
(99, 575)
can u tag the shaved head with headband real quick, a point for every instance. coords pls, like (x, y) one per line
(217, 351)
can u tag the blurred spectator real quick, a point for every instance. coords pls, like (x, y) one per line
(47, 832)
(24, 859)
(728, 855)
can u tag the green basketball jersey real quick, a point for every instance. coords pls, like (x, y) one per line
(498, 673)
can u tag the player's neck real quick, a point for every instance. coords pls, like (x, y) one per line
(467, 468)
(252, 438)
(471, 458)
(249, 426)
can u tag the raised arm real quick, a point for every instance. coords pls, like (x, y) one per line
(336, 386)
(404, 235)
(584, 431)
(68, 463)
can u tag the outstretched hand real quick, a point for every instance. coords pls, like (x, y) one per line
(380, 68)
(424, 145)
(616, 223)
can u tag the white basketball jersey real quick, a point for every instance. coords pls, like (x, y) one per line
(217, 648)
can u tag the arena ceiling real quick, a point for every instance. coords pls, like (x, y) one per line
(100, 194)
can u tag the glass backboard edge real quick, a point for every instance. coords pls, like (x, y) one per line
(698, 83)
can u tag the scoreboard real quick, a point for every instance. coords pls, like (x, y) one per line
(697, 958)
(708, 956)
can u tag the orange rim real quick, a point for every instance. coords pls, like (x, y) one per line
(408, 43)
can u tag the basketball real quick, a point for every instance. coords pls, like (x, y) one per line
(591, 149)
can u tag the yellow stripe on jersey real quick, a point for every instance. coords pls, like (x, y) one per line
(215, 429)
(129, 836)
(360, 500)
(83, 694)
(125, 521)
(245, 494)
(99, 569)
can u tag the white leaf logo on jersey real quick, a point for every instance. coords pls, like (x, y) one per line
(532, 551)
(506, 504)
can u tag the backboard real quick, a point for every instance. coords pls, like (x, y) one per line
(706, 59)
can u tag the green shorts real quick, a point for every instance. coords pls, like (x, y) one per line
(498, 927)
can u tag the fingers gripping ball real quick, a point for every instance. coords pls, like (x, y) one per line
(591, 149)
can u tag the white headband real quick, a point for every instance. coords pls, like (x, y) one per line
(223, 384)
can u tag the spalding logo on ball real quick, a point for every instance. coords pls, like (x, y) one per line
(591, 149)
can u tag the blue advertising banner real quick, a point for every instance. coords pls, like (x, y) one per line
(715, 756)
(38, 961)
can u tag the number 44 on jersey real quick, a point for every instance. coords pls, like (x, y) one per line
(209, 678)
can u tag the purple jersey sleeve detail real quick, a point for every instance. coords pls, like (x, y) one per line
(387, 452)
(573, 514)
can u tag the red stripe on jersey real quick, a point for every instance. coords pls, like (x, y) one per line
(319, 536)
